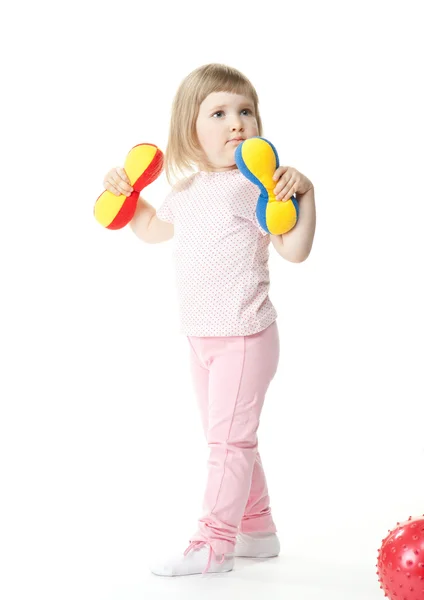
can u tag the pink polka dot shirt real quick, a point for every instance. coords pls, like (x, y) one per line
(220, 254)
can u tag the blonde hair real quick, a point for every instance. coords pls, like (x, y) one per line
(183, 150)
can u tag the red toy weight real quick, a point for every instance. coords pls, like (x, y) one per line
(400, 566)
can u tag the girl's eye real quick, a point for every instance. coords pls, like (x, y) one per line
(244, 110)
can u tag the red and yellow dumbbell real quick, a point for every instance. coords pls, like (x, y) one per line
(144, 164)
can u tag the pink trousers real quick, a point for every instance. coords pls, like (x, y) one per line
(231, 376)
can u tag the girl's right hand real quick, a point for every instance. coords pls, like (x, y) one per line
(117, 182)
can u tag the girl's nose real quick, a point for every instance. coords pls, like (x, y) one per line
(237, 125)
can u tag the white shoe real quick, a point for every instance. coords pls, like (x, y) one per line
(257, 545)
(194, 563)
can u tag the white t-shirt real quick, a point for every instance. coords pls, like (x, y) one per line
(221, 255)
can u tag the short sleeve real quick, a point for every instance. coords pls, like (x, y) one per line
(167, 211)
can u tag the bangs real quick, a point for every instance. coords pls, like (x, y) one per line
(220, 78)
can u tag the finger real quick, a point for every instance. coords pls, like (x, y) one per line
(112, 188)
(289, 194)
(285, 188)
(277, 174)
(124, 175)
(125, 187)
(281, 184)
(280, 171)
(107, 178)
(121, 185)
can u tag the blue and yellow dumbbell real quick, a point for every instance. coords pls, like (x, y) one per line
(257, 159)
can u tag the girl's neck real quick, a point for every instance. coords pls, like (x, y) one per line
(218, 170)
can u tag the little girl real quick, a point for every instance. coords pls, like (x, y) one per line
(221, 258)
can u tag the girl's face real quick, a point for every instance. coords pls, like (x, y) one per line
(224, 121)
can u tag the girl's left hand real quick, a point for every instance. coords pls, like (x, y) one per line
(290, 181)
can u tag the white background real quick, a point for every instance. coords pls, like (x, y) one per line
(103, 460)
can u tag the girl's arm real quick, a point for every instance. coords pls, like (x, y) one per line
(146, 225)
(296, 244)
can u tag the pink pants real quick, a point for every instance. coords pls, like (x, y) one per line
(231, 376)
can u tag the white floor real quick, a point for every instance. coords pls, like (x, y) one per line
(291, 578)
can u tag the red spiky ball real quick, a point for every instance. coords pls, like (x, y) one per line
(400, 566)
